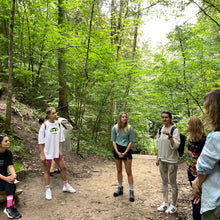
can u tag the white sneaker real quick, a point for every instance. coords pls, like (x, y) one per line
(68, 188)
(172, 209)
(48, 194)
(163, 207)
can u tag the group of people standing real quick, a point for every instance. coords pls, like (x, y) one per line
(203, 159)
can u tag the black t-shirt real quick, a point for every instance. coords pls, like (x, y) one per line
(6, 160)
(194, 151)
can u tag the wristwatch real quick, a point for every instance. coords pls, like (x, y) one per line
(170, 136)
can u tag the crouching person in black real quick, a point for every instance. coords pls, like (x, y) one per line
(6, 180)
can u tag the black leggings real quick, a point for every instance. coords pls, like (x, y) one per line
(196, 207)
(9, 188)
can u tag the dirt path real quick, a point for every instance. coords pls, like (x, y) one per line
(95, 181)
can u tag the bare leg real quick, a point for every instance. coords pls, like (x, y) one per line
(47, 173)
(52, 167)
(62, 167)
(119, 169)
(67, 187)
(120, 177)
(128, 165)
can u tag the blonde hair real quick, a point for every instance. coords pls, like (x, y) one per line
(196, 129)
(48, 111)
(212, 106)
(119, 125)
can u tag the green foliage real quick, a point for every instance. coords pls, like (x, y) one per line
(95, 148)
(105, 71)
(99, 151)
(17, 167)
(17, 147)
(148, 147)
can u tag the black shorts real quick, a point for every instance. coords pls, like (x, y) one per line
(122, 150)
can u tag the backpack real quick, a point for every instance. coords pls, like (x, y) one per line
(182, 141)
(67, 146)
(66, 124)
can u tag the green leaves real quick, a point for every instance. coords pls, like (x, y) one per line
(120, 75)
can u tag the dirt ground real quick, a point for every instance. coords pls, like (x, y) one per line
(95, 181)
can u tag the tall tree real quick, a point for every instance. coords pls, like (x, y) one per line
(134, 46)
(4, 39)
(10, 67)
(63, 100)
(86, 76)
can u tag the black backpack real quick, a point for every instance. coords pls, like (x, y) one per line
(182, 140)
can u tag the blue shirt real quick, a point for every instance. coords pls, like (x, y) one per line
(123, 139)
(208, 164)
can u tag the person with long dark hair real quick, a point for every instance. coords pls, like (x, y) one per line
(206, 187)
(122, 137)
(197, 138)
(167, 160)
(7, 181)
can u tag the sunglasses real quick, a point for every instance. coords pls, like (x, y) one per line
(3, 135)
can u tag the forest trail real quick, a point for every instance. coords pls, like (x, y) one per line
(95, 181)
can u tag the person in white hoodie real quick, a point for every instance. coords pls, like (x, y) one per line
(167, 160)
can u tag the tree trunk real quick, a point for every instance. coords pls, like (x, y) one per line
(10, 67)
(118, 31)
(113, 22)
(183, 86)
(112, 100)
(84, 98)
(63, 101)
(184, 65)
(136, 25)
(4, 29)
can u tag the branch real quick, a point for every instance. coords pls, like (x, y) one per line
(185, 89)
(206, 13)
(212, 5)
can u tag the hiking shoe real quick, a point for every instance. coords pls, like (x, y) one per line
(163, 207)
(9, 212)
(172, 209)
(17, 214)
(119, 191)
(131, 198)
(68, 188)
(48, 194)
